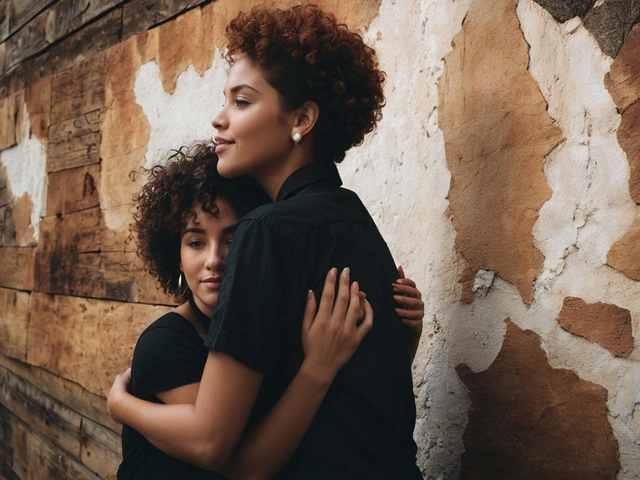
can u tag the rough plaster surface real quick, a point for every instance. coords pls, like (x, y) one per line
(25, 168)
(530, 421)
(180, 118)
(623, 82)
(497, 132)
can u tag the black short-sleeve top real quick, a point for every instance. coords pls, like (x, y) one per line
(168, 354)
(364, 428)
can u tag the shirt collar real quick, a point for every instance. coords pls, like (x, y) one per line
(306, 175)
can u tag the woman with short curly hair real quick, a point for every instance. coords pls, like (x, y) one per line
(165, 201)
(302, 90)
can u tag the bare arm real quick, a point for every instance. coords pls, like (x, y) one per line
(205, 433)
(329, 340)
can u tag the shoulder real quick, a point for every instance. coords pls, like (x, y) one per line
(167, 329)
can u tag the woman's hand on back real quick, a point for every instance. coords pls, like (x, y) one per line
(412, 311)
(331, 335)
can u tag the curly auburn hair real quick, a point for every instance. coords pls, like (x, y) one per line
(306, 55)
(166, 201)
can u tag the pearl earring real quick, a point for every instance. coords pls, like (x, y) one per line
(296, 137)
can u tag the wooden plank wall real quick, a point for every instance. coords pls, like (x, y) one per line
(60, 291)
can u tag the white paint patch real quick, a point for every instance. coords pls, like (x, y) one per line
(183, 117)
(483, 281)
(26, 165)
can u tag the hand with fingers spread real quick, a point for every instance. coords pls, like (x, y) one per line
(331, 335)
(412, 310)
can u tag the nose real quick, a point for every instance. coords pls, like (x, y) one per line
(219, 120)
(215, 260)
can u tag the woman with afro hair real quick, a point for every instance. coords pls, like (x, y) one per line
(302, 90)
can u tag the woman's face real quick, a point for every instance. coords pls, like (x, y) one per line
(253, 135)
(203, 252)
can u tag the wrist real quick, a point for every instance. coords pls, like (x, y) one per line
(320, 375)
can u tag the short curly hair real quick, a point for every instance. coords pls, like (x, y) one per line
(306, 54)
(166, 201)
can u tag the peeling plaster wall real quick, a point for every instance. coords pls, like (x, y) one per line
(27, 179)
(499, 176)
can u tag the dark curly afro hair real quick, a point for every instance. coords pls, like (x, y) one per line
(306, 55)
(166, 201)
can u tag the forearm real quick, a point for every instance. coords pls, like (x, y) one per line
(174, 429)
(204, 434)
(263, 452)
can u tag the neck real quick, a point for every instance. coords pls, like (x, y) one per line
(203, 320)
(273, 180)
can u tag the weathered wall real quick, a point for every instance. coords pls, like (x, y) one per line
(504, 175)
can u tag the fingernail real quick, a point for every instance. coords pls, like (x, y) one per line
(345, 272)
(333, 271)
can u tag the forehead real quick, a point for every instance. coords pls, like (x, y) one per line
(226, 215)
(245, 71)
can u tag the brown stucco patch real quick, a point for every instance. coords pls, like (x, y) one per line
(623, 82)
(624, 255)
(530, 421)
(607, 325)
(497, 132)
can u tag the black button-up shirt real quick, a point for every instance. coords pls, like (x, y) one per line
(364, 428)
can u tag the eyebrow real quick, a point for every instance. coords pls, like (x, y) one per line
(230, 228)
(241, 86)
(192, 230)
(225, 230)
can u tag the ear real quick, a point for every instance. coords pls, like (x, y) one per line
(306, 117)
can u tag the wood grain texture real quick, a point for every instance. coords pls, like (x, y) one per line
(73, 190)
(82, 45)
(60, 20)
(141, 15)
(19, 13)
(14, 320)
(16, 267)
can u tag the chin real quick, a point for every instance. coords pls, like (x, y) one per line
(227, 170)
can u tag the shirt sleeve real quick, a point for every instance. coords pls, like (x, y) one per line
(166, 358)
(249, 317)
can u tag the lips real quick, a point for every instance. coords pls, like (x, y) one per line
(222, 144)
(212, 282)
